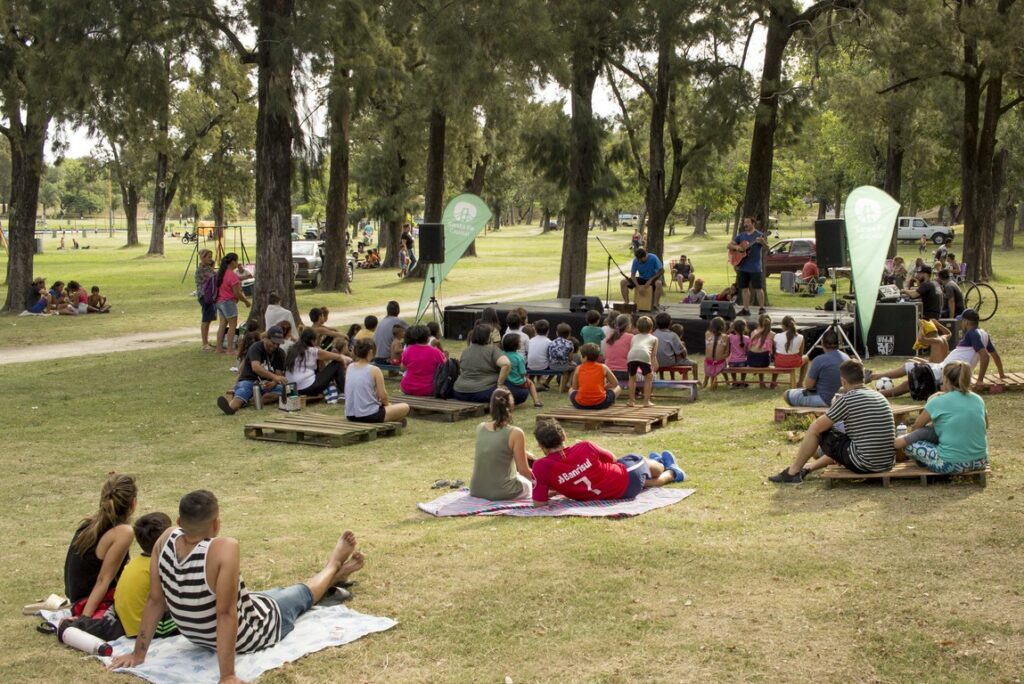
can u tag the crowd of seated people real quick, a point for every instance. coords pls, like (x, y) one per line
(64, 300)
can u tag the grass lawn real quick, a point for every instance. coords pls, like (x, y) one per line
(743, 582)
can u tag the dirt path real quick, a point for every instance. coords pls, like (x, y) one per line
(155, 340)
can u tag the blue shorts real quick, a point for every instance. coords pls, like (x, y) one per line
(638, 471)
(209, 312)
(243, 390)
(804, 398)
(228, 309)
(609, 401)
(293, 602)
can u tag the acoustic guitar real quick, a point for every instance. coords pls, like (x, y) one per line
(738, 252)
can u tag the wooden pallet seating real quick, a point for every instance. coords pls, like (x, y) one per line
(317, 429)
(563, 377)
(792, 373)
(995, 385)
(684, 372)
(449, 410)
(902, 414)
(906, 470)
(636, 420)
(689, 386)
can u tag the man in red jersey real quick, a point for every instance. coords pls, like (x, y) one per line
(585, 471)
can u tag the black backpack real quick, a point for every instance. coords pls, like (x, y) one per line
(444, 378)
(922, 381)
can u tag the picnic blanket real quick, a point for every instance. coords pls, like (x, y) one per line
(460, 503)
(178, 661)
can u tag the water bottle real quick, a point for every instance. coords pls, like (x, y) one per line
(901, 430)
(83, 641)
(257, 395)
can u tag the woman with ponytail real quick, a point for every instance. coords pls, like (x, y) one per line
(956, 441)
(99, 549)
(617, 345)
(301, 366)
(229, 293)
(501, 467)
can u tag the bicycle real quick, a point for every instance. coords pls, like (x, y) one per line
(982, 298)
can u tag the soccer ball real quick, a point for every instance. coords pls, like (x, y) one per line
(883, 384)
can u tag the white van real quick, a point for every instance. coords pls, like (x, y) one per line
(629, 219)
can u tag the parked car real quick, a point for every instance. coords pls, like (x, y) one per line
(789, 255)
(308, 262)
(912, 228)
(629, 219)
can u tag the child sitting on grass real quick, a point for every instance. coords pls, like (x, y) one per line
(716, 349)
(642, 358)
(97, 302)
(397, 345)
(517, 372)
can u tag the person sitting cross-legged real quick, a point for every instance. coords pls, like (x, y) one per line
(956, 439)
(265, 364)
(586, 472)
(501, 468)
(856, 432)
(822, 381)
(593, 385)
(195, 577)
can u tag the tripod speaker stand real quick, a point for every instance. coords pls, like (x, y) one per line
(835, 326)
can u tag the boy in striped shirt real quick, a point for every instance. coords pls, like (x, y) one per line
(856, 432)
(194, 575)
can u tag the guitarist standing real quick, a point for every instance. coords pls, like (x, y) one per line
(745, 254)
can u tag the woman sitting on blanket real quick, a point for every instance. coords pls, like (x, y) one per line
(501, 468)
(586, 472)
(956, 441)
(99, 549)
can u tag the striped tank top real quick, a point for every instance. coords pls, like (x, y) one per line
(193, 605)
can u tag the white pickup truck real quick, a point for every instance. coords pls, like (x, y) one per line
(912, 228)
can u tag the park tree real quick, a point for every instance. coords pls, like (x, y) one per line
(49, 50)
(784, 19)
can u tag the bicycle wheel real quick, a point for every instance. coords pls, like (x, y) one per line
(982, 298)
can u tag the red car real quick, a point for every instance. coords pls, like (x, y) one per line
(789, 255)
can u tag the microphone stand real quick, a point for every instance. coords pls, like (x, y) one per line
(608, 281)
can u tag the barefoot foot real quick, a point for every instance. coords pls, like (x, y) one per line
(353, 565)
(346, 545)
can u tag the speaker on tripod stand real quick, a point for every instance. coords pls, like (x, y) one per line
(432, 254)
(831, 254)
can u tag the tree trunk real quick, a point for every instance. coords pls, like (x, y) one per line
(390, 239)
(762, 145)
(219, 219)
(433, 192)
(583, 157)
(339, 117)
(545, 221)
(159, 208)
(822, 209)
(1020, 218)
(1009, 219)
(26, 146)
(656, 201)
(130, 203)
(700, 222)
(275, 109)
(893, 181)
(476, 186)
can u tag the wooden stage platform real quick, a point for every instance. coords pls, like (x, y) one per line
(458, 320)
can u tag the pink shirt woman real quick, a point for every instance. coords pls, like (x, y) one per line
(616, 353)
(420, 361)
(226, 288)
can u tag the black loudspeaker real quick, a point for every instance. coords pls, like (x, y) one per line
(830, 236)
(431, 243)
(893, 330)
(583, 303)
(710, 308)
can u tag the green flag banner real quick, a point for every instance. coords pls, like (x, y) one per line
(870, 219)
(464, 217)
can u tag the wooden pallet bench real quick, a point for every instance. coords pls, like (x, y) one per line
(996, 385)
(615, 419)
(449, 410)
(793, 373)
(902, 414)
(906, 470)
(684, 372)
(689, 386)
(563, 376)
(316, 429)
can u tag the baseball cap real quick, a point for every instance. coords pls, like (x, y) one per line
(970, 315)
(275, 334)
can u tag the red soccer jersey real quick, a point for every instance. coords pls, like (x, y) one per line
(583, 471)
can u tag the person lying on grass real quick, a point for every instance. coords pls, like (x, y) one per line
(194, 575)
(856, 432)
(586, 472)
(265, 364)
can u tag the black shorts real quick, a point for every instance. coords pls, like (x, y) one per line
(639, 280)
(836, 445)
(745, 279)
(633, 366)
(377, 417)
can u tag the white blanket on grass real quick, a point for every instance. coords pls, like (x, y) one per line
(178, 661)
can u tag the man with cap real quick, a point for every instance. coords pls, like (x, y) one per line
(929, 294)
(264, 363)
(645, 272)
